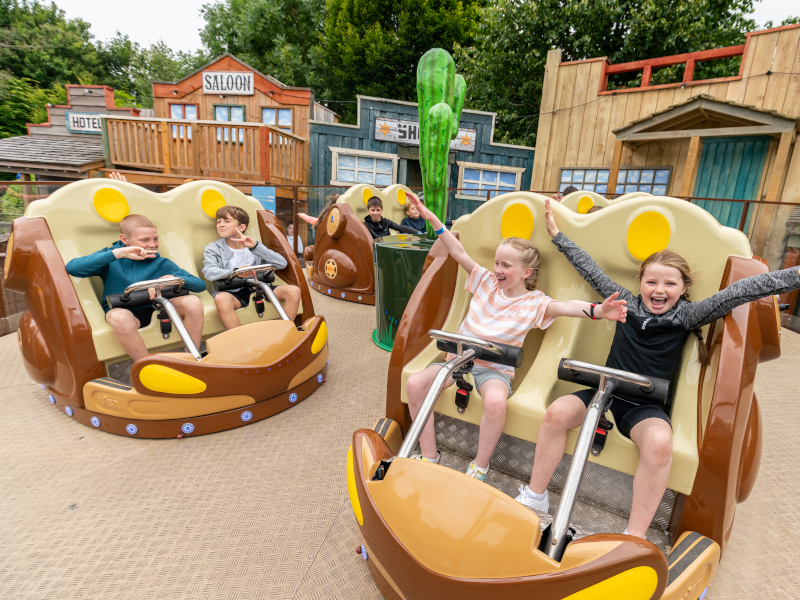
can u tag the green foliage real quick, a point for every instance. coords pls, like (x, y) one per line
(21, 102)
(11, 203)
(371, 47)
(505, 68)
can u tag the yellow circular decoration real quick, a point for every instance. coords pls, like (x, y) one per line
(366, 194)
(584, 204)
(211, 201)
(111, 205)
(330, 268)
(319, 341)
(169, 381)
(401, 197)
(517, 221)
(638, 583)
(352, 490)
(334, 216)
(649, 233)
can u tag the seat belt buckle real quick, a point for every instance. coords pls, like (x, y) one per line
(464, 388)
(258, 302)
(166, 324)
(601, 435)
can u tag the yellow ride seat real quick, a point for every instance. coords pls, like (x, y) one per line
(393, 197)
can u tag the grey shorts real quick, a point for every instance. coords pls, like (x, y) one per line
(482, 375)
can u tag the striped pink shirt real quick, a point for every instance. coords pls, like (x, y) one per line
(494, 317)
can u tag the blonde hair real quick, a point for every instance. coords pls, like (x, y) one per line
(676, 261)
(132, 222)
(528, 256)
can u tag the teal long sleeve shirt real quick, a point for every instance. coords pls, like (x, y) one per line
(119, 273)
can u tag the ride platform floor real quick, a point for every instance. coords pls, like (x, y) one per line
(262, 512)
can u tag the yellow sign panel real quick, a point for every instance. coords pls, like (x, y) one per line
(517, 221)
(649, 233)
(334, 216)
(111, 204)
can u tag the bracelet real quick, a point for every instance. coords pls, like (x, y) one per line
(440, 231)
(590, 314)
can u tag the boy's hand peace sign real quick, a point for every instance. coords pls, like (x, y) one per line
(246, 240)
(613, 309)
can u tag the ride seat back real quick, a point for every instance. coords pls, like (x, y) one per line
(618, 238)
(394, 200)
(83, 217)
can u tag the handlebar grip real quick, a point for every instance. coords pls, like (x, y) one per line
(511, 357)
(658, 394)
(234, 283)
(142, 297)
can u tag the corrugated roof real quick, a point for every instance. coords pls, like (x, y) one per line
(25, 149)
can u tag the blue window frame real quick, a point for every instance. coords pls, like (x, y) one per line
(653, 180)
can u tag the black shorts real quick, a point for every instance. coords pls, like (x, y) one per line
(244, 294)
(144, 314)
(626, 414)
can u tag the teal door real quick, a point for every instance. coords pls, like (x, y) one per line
(730, 168)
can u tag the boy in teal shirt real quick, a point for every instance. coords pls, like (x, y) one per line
(132, 259)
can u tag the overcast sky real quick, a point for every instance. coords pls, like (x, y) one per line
(178, 22)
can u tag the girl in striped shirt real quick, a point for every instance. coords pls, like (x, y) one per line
(505, 305)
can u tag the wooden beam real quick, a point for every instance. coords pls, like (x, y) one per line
(613, 173)
(166, 131)
(692, 160)
(688, 73)
(649, 136)
(264, 154)
(647, 73)
(779, 168)
(541, 157)
(677, 59)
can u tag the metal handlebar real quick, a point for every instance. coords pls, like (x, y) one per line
(460, 340)
(157, 284)
(577, 365)
(253, 269)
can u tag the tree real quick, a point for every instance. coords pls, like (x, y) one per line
(277, 37)
(505, 68)
(372, 47)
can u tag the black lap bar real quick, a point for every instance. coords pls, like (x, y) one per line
(658, 394)
(234, 283)
(511, 355)
(142, 297)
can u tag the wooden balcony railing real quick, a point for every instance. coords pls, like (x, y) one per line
(218, 149)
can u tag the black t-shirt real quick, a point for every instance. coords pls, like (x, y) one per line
(382, 227)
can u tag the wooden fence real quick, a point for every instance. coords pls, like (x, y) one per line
(222, 150)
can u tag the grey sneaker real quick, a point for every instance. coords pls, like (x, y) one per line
(476, 472)
(542, 505)
(423, 459)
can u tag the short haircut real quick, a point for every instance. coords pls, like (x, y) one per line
(407, 206)
(594, 209)
(374, 201)
(569, 190)
(132, 222)
(234, 212)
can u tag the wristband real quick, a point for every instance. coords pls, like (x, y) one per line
(590, 314)
(440, 231)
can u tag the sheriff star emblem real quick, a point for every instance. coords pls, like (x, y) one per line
(330, 268)
(385, 129)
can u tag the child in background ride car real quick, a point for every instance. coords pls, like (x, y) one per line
(132, 259)
(233, 250)
(413, 219)
(649, 342)
(505, 305)
(378, 225)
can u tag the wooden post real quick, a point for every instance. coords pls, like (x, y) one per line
(692, 160)
(195, 142)
(688, 73)
(106, 145)
(541, 156)
(166, 133)
(613, 173)
(647, 73)
(263, 154)
(779, 168)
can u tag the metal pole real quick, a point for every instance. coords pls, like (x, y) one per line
(294, 220)
(744, 216)
(430, 400)
(268, 291)
(176, 320)
(558, 529)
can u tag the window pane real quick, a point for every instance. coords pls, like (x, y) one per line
(383, 179)
(221, 113)
(190, 110)
(601, 189)
(630, 188)
(588, 187)
(268, 116)
(602, 176)
(564, 186)
(566, 175)
(366, 163)
(620, 188)
(366, 177)
(237, 114)
(577, 175)
(472, 175)
(647, 176)
(490, 176)
(659, 190)
(662, 176)
(508, 179)
(505, 188)
(383, 166)
(633, 176)
(346, 175)
(176, 112)
(175, 131)
(471, 189)
(285, 117)
(591, 176)
(646, 188)
(347, 161)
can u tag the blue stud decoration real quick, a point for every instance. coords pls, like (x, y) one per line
(246, 416)
(329, 291)
(132, 429)
(342, 294)
(43, 387)
(52, 399)
(327, 362)
(187, 428)
(319, 378)
(95, 421)
(69, 411)
(364, 551)
(293, 397)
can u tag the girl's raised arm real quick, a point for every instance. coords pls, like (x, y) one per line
(450, 241)
(697, 314)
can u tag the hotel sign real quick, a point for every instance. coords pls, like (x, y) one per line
(407, 132)
(239, 83)
(84, 122)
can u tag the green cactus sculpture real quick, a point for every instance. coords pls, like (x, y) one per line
(440, 93)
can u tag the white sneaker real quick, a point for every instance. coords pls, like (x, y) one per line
(541, 505)
(476, 472)
(423, 459)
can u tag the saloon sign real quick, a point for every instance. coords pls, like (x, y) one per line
(407, 132)
(221, 82)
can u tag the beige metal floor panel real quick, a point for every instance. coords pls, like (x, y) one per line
(261, 512)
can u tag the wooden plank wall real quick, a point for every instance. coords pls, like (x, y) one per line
(579, 132)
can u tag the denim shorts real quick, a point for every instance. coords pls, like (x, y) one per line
(482, 375)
